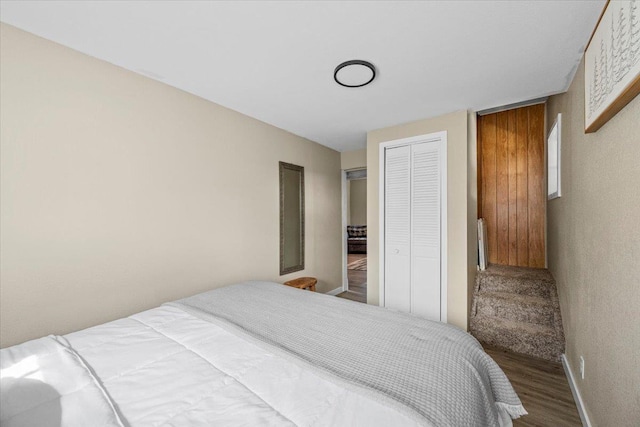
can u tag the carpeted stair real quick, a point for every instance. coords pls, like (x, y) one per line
(517, 309)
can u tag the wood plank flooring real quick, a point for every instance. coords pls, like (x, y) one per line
(357, 281)
(542, 387)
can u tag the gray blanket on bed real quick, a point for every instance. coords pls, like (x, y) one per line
(431, 371)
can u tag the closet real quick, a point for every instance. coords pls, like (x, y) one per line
(413, 219)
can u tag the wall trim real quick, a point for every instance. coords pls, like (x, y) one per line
(345, 244)
(512, 106)
(335, 292)
(576, 393)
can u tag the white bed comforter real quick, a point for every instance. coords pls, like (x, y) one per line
(165, 367)
(45, 383)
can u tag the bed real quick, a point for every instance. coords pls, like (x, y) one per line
(257, 353)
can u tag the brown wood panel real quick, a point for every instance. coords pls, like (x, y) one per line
(522, 191)
(537, 197)
(511, 183)
(488, 130)
(502, 186)
(513, 195)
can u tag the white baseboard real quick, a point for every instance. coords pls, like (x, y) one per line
(576, 393)
(336, 291)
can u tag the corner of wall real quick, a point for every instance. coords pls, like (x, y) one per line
(472, 207)
(356, 159)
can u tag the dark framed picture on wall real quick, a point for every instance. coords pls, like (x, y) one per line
(612, 63)
(553, 159)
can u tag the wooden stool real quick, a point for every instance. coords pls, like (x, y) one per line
(303, 283)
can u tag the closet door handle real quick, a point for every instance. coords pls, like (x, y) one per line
(397, 251)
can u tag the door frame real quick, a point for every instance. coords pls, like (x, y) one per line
(431, 137)
(345, 220)
(345, 247)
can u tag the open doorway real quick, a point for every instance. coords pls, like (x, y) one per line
(355, 234)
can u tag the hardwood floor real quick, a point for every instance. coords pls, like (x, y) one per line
(357, 281)
(542, 387)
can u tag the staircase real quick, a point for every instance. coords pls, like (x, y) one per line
(517, 309)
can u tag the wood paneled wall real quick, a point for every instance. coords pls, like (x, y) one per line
(511, 185)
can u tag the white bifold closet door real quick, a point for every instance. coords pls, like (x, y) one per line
(412, 229)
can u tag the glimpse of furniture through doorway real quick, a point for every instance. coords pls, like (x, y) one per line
(354, 225)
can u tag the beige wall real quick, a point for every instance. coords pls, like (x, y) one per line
(120, 193)
(456, 126)
(594, 254)
(472, 206)
(358, 202)
(353, 159)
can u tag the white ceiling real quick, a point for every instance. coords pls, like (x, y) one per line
(274, 60)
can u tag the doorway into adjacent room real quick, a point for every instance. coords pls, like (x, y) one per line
(355, 235)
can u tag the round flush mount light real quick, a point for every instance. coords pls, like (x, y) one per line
(354, 73)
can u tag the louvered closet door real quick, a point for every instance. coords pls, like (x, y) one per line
(425, 230)
(412, 224)
(397, 228)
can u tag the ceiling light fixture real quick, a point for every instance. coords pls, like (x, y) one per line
(354, 73)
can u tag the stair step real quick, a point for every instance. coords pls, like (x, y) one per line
(525, 338)
(519, 280)
(541, 274)
(516, 307)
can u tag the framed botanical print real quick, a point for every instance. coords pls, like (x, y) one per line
(612, 63)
